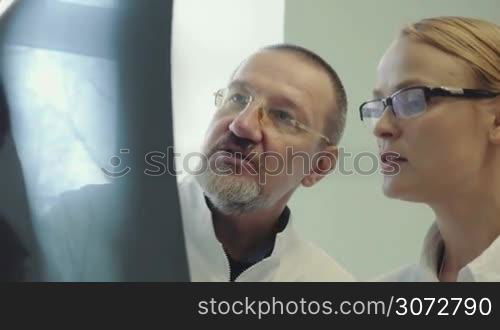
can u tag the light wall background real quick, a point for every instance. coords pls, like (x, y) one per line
(348, 215)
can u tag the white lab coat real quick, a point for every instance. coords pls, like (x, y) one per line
(485, 268)
(293, 258)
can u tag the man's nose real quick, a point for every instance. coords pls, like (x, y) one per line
(246, 124)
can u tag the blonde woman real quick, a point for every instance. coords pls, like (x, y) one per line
(436, 118)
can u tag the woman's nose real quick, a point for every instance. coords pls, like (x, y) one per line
(387, 126)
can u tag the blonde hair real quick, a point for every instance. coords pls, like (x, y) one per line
(473, 40)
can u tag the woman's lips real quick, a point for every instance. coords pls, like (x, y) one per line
(391, 162)
(391, 156)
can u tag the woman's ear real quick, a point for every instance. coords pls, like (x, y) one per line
(322, 163)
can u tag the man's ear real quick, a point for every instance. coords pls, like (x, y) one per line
(495, 128)
(322, 163)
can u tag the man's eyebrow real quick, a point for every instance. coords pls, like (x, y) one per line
(295, 105)
(239, 84)
(405, 83)
(279, 99)
(288, 102)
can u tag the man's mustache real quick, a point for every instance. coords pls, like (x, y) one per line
(231, 145)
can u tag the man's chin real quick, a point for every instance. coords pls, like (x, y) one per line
(238, 179)
(230, 189)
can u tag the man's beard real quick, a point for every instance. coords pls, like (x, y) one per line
(232, 194)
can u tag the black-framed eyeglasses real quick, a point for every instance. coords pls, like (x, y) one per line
(413, 101)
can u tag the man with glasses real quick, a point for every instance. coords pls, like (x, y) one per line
(281, 103)
(275, 127)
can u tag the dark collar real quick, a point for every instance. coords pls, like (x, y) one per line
(280, 225)
(266, 249)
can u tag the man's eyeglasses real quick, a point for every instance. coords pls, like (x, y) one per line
(236, 100)
(412, 101)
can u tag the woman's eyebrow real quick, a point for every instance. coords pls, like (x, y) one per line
(405, 83)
